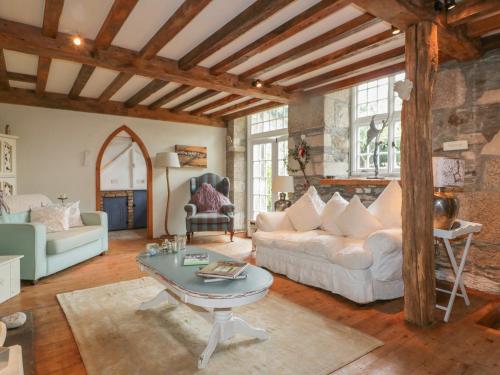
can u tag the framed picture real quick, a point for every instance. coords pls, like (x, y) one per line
(192, 156)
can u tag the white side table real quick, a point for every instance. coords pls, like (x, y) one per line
(10, 276)
(465, 228)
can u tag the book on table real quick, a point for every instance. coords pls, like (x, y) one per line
(195, 259)
(223, 270)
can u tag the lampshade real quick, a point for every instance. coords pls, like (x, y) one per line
(167, 160)
(448, 171)
(283, 184)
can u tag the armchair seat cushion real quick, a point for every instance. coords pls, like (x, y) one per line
(60, 242)
(209, 218)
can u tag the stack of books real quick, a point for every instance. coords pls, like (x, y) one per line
(223, 270)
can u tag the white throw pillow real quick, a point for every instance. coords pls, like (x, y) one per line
(55, 218)
(387, 207)
(75, 219)
(316, 199)
(331, 213)
(303, 214)
(356, 221)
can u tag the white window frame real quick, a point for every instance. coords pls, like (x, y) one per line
(275, 137)
(392, 169)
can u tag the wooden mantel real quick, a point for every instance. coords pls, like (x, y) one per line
(356, 181)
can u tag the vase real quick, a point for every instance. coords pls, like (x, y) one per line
(446, 207)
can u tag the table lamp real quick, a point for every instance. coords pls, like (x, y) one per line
(282, 185)
(447, 173)
(167, 160)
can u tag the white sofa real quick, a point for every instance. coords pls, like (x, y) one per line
(362, 270)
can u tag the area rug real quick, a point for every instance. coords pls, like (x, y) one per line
(114, 337)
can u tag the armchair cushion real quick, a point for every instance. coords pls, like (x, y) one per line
(59, 242)
(209, 218)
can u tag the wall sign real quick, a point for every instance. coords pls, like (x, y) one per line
(192, 156)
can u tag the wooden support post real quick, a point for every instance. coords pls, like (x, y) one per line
(416, 175)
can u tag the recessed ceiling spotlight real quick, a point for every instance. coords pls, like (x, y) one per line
(77, 41)
(257, 83)
(450, 4)
(395, 30)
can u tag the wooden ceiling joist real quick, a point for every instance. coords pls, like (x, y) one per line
(61, 101)
(116, 17)
(114, 86)
(338, 55)
(252, 110)
(329, 76)
(179, 91)
(234, 107)
(471, 10)
(28, 39)
(402, 14)
(180, 19)
(145, 92)
(194, 100)
(484, 26)
(21, 77)
(298, 23)
(250, 17)
(218, 103)
(343, 31)
(4, 79)
(51, 15)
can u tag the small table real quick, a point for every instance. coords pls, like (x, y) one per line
(466, 228)
(217, 298)
(10, 276)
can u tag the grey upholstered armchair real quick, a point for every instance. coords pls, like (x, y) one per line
(210, 221)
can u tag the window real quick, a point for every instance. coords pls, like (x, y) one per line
(268, 157)
(376, 99)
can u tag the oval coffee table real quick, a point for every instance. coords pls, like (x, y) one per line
(216, 298)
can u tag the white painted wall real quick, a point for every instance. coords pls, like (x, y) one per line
(51, 152)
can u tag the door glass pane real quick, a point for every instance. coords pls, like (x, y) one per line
(262, 177)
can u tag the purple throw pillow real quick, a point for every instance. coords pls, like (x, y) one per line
(207, 199)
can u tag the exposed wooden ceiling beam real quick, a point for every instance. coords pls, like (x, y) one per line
(343, 31)
(4, 79)
(51, 15)
(145, 92)
(403, 13)
(21, 77)
(251, 110)
(194, 100)
(61, 101)
(113, 87)
(215, 104)
(351, 81)
(329, 76)
(28, 39)
(483, 26)
(234, 107)
(251, 16)
(179, 91)
(298, 23)
(116, 17)
(470, 10)
(338, 55)
(180, 19)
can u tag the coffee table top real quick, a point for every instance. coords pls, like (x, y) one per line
(169, 267)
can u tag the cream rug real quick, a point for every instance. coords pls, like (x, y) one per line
(116, 338)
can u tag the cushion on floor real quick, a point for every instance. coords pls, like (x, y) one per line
(60, 242)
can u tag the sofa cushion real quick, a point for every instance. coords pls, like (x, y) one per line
(356, 221)
(316, 199)
(55, 218)
(303, 214)
(273, 221)
(59, 242)
(353, 257)
(387, 207)
(331, 213)
(209, 218)
(25, 202)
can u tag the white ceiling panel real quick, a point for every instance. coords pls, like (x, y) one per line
(129, 89)
(18, 62)
(84, 17)
(263, 28)
(208, 21)
(181, 99)
(360, 56)
(338, 18)
(207, 101)
(163, 91)
(375, 29)
(228, 105)
(62, 75)
(144, 21)
(99, 80)
(24, 11)
(23, 85)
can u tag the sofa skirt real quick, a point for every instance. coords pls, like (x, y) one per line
(355, 285)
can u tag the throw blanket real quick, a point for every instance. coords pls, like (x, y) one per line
(25, 202)
(207, 199)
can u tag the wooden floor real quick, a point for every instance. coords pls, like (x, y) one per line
(459, 347)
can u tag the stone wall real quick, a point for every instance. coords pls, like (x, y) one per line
(466, 106)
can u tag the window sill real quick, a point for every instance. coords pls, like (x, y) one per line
(358, 181)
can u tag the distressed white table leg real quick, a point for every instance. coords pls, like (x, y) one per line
(163, 296)
(213, 340)
(240, 326)
(455, 266)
